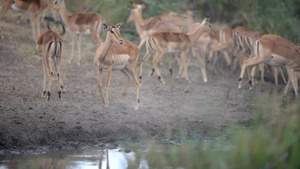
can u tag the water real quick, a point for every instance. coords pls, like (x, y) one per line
(74, 159)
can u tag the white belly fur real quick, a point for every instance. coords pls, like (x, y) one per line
(87, 32)
(16, 9)
(120, 62)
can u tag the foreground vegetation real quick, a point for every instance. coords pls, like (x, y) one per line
(272, 141)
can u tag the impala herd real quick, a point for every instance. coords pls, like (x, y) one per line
(170, 33)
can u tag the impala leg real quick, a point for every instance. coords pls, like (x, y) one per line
(38, 25)
(252, 79)
(156, 59)
(109, 70)
(262, 72)
(275, 74)
(274, 71)
(282, 74)
(33, 20)
(170, 64)
(235, 64)
(5, 6)
(50, 73)
(142, 64)
(78, 46)
(202, 65)
(73, 46)
(45, 75)
(294, 79)
(218, 48)
(132, 71)
(143, 40)
(127, 83)
(100, 84)
(57, 60)
(249, 63)
(58, 67)
(185, 66)
(227, 57)
(180, 64)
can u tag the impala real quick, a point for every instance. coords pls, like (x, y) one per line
(154, 24)
(49, 46)
(79, 23)
(246, 39)
(116, 54)
(225, 44)
(200, 45)
(168, 42)
(33, 7)
(276, 51)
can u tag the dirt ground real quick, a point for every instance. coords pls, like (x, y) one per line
(166, 113)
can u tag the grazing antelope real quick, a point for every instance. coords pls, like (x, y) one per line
(79, 23)
(33, 7)
(169, 42)
(277, 51)
(49, 46)
(116, 54)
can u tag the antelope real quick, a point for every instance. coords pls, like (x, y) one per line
(154, 24)
(168, 42)
(277, 51)
(225, 44)
(245, 39)
(250, 38)
(33, 7)
(49, 46)
(79, 23)
(116, 54)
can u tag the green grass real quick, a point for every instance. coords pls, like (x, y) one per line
(272, 141)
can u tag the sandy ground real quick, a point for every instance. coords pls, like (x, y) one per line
(167, 112)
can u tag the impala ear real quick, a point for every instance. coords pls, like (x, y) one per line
(119, 25)
(106, 27)
(207, 19)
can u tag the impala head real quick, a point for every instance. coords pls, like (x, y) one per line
(113, 32)
(208, 26)
(55, 4)
(137, 9)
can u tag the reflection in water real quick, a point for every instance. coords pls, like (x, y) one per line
(90, 159)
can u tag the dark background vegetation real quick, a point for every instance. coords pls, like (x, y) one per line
(269, 16)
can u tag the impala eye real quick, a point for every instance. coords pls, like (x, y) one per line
(112, 32)
(55, 2)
